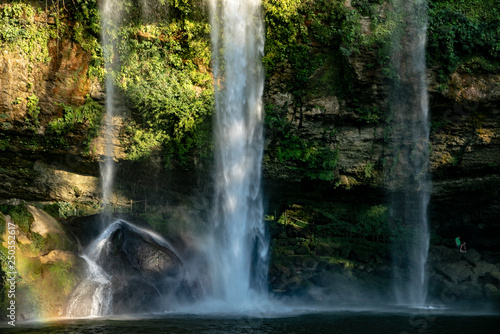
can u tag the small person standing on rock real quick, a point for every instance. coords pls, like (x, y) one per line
(462, 248)
(457, 242)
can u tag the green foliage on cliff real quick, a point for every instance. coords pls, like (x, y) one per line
(464, 34)
(34, 30)
(320, 220)
(62, 276)
(20, 216)
(88, 114)
(33, 111)
(86, 31)
(21, 31)
(359, 221)
(315, 159)
(299, 32)
(28, 27)
(3, 224)
(162, 71)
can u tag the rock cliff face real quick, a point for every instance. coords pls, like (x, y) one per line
(62, 79)
(464, 147)
(464, 143)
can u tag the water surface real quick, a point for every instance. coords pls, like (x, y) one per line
(338, 322)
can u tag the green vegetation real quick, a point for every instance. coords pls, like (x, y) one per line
(86, 31)
(33, 31)
(314, 158)
(23, 219)
(19, 214)
(3, 224)
(163, 73)
(60, 209)
(359, 221)
(323, 221)
(461, 35)
(464, 35)
(37, 244)
(33, 111)
(21, 32)
(300, 33)
(44, 285)
(62, 277)
(88, 115)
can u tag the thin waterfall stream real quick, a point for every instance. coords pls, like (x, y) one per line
(110, 10)
(98, 280)
(409, 180)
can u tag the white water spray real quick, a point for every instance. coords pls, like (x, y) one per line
(239, 249)
(96, 289)
(410, 181)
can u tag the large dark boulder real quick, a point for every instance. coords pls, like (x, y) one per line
(143, 272)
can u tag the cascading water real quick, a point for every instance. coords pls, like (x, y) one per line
(98, 281)
(97, 285)
(131, 269)
(239, 248)
(409, 180)
(110, 11)
(100, 300)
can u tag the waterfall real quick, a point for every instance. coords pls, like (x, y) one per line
(239, 247)
(97, 283)
(95, 292)
(409, 180)
(111, 15)
(100, 302)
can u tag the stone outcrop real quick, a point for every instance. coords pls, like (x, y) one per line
(43, 223)
(46, 261)
(58, 256)
(463, 279)
(63, 185)
(333, 273)
(62, 79)
(145, 274)
(41, 180)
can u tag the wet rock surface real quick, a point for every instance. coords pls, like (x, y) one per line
(143, 272)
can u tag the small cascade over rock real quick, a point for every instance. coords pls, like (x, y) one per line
(131, 270)
(94, 291)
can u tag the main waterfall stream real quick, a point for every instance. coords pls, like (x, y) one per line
(239, 247)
